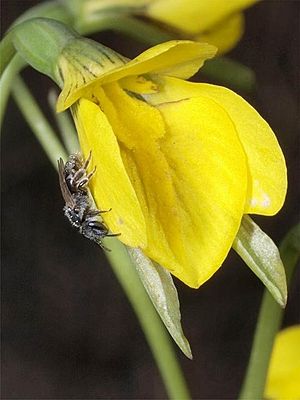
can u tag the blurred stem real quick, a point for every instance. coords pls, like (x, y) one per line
(133, 27)
(7, 51)
(37, 121)
(230, 72)
(6, 82)
(154, 330)
(65, 125)
(268, 324)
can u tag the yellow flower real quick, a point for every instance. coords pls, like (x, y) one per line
(283, 381)
(217, 22)
(178, 162)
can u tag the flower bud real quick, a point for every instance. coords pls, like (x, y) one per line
(61, 53)
(40, 41)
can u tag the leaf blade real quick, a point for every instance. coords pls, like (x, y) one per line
(159, 285)
(262, 256)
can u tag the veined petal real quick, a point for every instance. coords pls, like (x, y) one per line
(195, 16)
(80, 63)
(189, 172)
(225, 34)
(267, 183)
(179, 58)
(110, 185)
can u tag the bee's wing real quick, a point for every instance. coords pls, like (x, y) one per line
(63, 185)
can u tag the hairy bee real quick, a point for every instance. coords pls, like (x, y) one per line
(79, 208)
(75, 173)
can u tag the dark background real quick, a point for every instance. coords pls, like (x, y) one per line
(68, 331)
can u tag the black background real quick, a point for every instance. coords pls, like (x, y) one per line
(68, 331)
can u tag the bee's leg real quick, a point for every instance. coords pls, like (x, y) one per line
(103, 247)
(93, 213)
(87, 161)
(80, 178)
(113, 234)
(90, 174)
(104, 211)
(79, 174)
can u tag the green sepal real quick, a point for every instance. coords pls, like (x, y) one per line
(159, 285)
(40, 41)
(262, 256)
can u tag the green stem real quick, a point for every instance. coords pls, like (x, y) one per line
(37, 121)
(7, 52)
(154, 330)
(65, 125)
(135, 28)
(6, 82)
(230, 72)
(268, 324)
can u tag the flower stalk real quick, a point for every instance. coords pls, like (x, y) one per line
(132, 27)
(7, 51)
(155, 333)
(268, 324)
(65, 125)
(37, 121)
(6, 82)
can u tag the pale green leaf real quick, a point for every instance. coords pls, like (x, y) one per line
(163, 294)
(262, 256)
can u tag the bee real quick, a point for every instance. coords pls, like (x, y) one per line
(79, 207)
(75, 173)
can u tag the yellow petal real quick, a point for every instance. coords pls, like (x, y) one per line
(284, 371)
(139, 84)
(189, 172)
(267, 170)
(195, 16)
(225, 34)
(81, 61)
(179, 58)
(110, 185)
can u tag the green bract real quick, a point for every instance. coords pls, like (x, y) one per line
(40, 42)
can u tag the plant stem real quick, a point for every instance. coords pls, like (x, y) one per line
(268, 324)
(37, 121)
(65, 125)
(133, 27)
(229, 72)
(7, 51)
(154, 330)
(6, 82)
